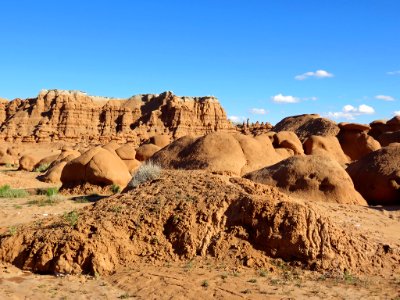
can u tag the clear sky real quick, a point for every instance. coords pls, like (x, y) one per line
(263, 59)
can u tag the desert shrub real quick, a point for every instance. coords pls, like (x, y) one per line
(7, 192)
(42, 168)
(51, 191)
(146, 172)
(115, 189)
(71, 217)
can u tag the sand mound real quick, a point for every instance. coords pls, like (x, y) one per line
(221, 153)
(187, 214)
(311, 177)
(377, 175)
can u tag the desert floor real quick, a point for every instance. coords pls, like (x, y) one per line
(196, 279)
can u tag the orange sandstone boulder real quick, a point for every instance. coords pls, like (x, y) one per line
(146, 151)
(289, 140)
(325, 146)
(97, 166)
(220, 152)
(307, 125)
(377, 175)
(355, 140)
(311, 177)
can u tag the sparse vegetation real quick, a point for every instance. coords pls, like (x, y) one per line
(51, 191)
(146, 172)
(7, 192)
(205, 284)
(82, 199)
(115, 189)
(42, 168)
(72, 218)
(262, 273)
(12, 230)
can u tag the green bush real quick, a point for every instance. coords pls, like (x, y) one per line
(42, 168)
(7, 192)
(115, 189)
(51, 191)
(146, 172)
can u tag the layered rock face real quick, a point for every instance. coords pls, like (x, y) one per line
(74, 116)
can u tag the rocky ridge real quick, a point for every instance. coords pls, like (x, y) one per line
(57, 115)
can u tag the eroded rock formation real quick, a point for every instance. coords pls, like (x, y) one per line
(57, 115)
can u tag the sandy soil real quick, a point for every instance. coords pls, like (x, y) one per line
(197, 279)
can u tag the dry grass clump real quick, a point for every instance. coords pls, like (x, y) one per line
(147, 172)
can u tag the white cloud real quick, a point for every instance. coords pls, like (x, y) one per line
(365, 109)
(316, 74)
(394, 72)
(349, 112)
(236, 119)
(384, 97)
(284, 99)
(397, 113)
(258, 111)
(313, 98)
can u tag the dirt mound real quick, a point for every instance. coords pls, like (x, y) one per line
(56, 115)
(377, 175)
(315, 178)
(221, 153)
(307, 125)
(187, 214)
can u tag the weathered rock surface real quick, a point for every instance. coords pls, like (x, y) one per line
(97, 166)
(74, 116)
(220, 152)
(325, 146)
(355, 140)
(314, 178)
(289, 140)
(307, 125)
(377, 175)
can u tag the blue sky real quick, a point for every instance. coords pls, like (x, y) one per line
(263, 59)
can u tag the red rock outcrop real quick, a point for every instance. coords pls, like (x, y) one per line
(377, 176)
(307, 125)
(57, 115)
(311, 177)
(355, 140)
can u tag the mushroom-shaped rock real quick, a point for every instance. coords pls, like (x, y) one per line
(146, 151)
(325, 146)
(288, 139)
(97, 166)
(220, 152)
(355, 140)
(310, 177)
(377, 175)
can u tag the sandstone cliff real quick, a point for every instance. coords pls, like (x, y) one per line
(57, 115)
